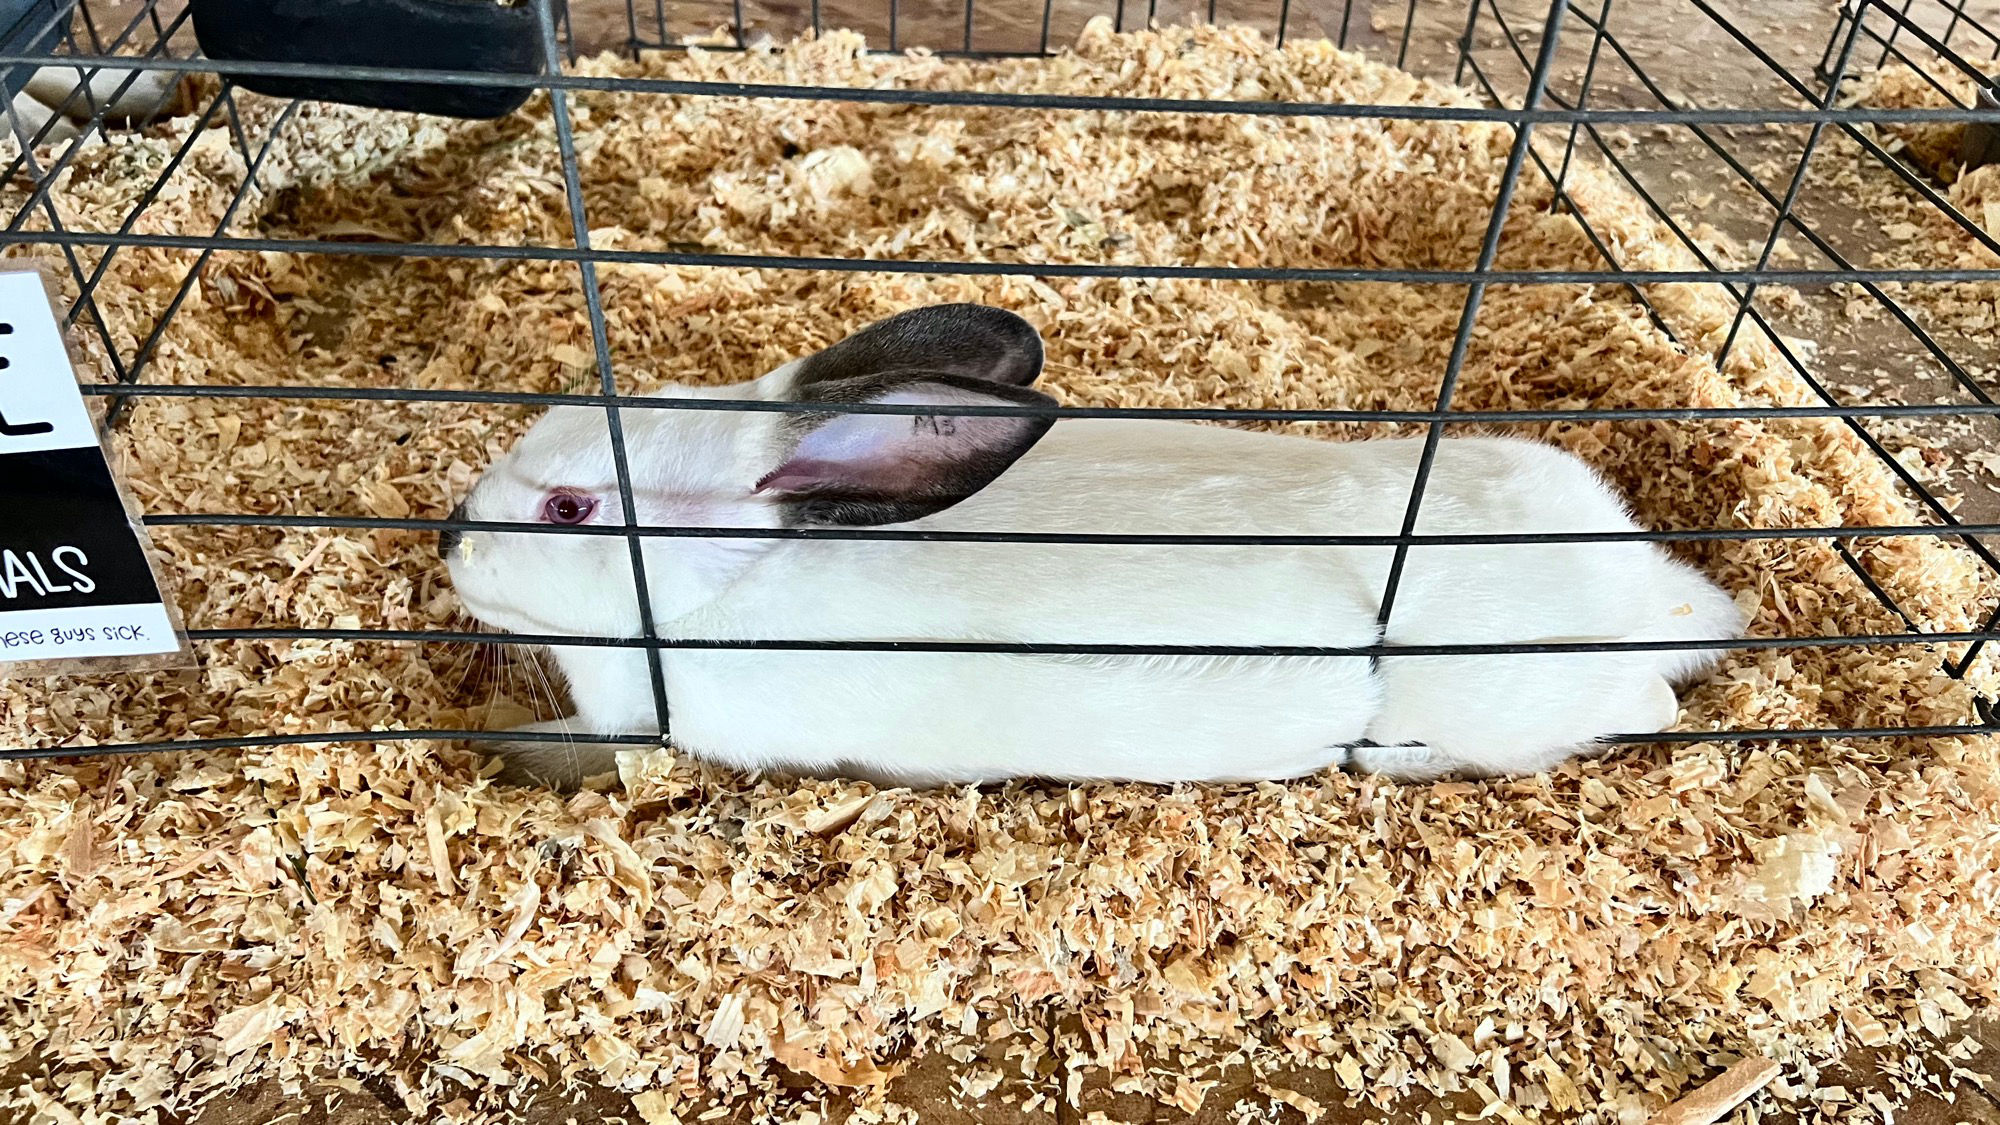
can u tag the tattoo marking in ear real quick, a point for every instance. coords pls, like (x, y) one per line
(939, 427)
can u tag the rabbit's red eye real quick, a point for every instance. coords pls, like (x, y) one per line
(568, 508)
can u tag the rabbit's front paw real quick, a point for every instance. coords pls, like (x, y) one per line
(1411, 761)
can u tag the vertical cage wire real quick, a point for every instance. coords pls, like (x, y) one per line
(600, 340)
(1475, 293)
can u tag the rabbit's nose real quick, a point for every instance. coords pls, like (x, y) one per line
(448, 537)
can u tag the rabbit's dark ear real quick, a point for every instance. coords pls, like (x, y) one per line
(973, 341)
(863, 469)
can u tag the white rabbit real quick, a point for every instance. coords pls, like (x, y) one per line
(928, 718)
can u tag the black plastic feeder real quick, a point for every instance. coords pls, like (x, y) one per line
(30, 27)
(470, 35)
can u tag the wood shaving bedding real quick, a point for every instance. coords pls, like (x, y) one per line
(1880, 221)
(1584, 945)
(1930, 145)
(1922, 235)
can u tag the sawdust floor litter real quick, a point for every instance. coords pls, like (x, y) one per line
(1580, 945)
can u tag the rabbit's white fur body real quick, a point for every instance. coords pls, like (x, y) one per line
(924, 718)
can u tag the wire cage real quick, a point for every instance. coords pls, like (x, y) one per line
(1567, 78)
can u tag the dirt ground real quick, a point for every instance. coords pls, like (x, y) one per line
(929, 1086)
(1678, 45)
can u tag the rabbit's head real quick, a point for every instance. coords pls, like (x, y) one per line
(724, 467)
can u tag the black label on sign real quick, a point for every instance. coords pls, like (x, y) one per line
(65, 541)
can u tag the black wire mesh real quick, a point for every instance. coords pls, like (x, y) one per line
(1561, 75)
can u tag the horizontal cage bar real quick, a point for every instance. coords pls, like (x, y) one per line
(988, 268)
(1216, 414)
(922, 535)
(999, 100)
(1029, 648)
(317, 738)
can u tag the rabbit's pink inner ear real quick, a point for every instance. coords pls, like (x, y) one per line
(804, 474)
(885, 468)
(894, 453)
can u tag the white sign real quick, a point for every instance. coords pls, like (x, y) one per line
(76, 582)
